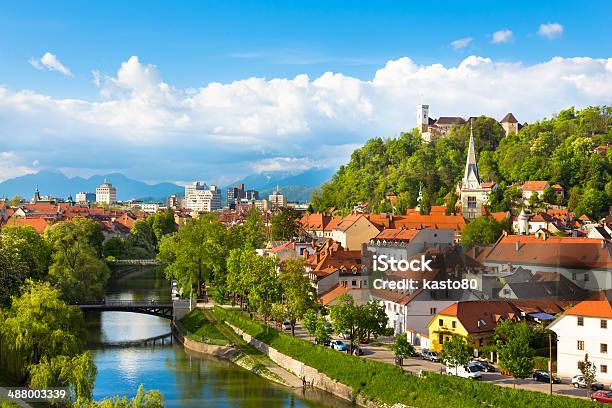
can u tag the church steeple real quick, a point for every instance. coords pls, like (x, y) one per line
(470, 177)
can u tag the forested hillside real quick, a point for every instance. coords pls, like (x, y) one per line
(561, 150)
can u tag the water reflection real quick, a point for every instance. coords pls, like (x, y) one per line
(184, 379)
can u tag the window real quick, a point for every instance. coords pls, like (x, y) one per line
(580, 321)
(506, 291)
(471, 202)
(603, 369)
(603, 348)
(604, 324)
(441, 338)
(580, 345)
(433, 311)
(574, 276)
(454, 324)
(440, 322)
(586, 277)
(354, 283)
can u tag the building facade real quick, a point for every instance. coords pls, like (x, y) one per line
(85, 198)
(202, 198)
(106, 193)
(276, 199)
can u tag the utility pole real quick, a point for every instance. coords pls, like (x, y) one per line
(550, 362)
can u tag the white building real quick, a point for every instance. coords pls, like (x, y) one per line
(276, 199)
(85, 198)
(106, 193)
(201, 198)
(585, 328)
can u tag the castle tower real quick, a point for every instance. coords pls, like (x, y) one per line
(422, 117)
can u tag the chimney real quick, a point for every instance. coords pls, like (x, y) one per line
(517, 246)
(603, 243)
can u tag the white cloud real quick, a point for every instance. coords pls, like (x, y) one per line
(501, 36)
(12, 166)
(550, 30)
(461, 43)
(50, 62)
(152, 130)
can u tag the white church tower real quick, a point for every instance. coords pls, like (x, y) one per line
(473, 196)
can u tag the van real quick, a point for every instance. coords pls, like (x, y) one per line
(464, 372)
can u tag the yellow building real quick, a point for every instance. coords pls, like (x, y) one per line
(474, 320)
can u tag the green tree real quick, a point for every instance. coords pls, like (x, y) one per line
(483, 230)
(309, 321)
(254, 235)
(162, 223)
(321, 332)
(298, 293)
(76, 268)
(148, 399)
(515, 352)
(141, 242)
(23, 245)
(92, 232)
(15, 201)
(374, 321)
(77, 373)
(402, 348)
(114, 247)
(12, 275)
(265, 289)
(588, 371)
(39, 325)
(285, 225)
(455, 352)
(548, 196)
(346, 317)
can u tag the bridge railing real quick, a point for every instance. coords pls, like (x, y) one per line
(134, 262)
(127, 303)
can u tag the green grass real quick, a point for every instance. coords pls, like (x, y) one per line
(386, 383)
(199, 328)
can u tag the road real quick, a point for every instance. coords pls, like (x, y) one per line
(415, 365)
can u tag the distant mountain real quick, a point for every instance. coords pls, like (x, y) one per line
(57, 184)
(296, 187)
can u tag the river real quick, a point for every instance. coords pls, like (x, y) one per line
(184, 379)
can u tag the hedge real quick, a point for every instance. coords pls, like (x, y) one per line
(389, 384)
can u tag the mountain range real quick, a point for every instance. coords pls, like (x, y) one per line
(296, 187)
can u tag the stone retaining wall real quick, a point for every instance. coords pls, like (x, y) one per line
(311, 375)
(212, 349)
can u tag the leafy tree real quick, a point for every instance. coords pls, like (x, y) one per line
(15, 201)
(92, 232)
(148, 399)
(254, 235)
(114, 247)
(548, 195)
(285, 225)
(23, 245)
(402, 348)
(142, 241)
(483, 230)
(321, 333)
(373, 320)
(515, 353)
(265, 289)
(455, 352)
(309, 321)
(588, 371)
(11, 276)
(196, 254)
(297, 291)
(78, 373)
(39, 325)
(346, 317)
(76, 268)
(162, 223)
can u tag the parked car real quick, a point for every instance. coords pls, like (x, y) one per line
(578, 382)
(358, 351)
(468, 371)
(602, 396)
(543, 376)
(427, 354)
(286, 325)
(346, 335)
(484, 366)
(339, 345)
(324, 343)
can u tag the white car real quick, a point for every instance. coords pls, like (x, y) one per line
(578, 382)
(464, 372)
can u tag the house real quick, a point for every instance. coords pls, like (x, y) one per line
(558, 191)
(542, 285)
(585, 261)
(585, 328)
(510, 124)
(38, 223)
(401, 243)
(319, 225)
(353, 231)
(534, 187)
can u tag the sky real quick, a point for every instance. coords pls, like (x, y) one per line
(217, 90)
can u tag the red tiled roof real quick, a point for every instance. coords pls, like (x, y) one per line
(592, 308)
(393, 234)
(39, 224)
(481, 315)
(536, 185)
(333, 294)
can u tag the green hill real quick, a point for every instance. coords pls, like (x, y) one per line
(561, 150)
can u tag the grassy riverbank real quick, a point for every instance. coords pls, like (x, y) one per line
(386, 383)
(198, 327)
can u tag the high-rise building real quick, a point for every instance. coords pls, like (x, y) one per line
(276, 199)
(235, 194)
(172, 201)
(106, 193)
(251, 195)
(85, 198)
(200, 197)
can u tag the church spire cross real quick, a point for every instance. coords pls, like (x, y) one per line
(471, 165)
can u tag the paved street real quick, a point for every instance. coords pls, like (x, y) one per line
(415, 365)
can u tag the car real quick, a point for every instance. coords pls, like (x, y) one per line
(578, 382)
(324, 343)
(602, 396)
(358, 351)
(484, 366)
(286, 325)
(427, 354)
(543, 376)
(338, 345)
(467, 371)
(346, 335)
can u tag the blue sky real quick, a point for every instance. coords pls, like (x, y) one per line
(189, 45)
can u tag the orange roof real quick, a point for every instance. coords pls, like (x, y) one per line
(333, 294)
(315, 221)
(500, 216)
(584, 217)
(418, 221)
(437, 209)
(481, 315)
(537, 185)
(394, 234)
(592, 308)
(348, 221)
(39, 224)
